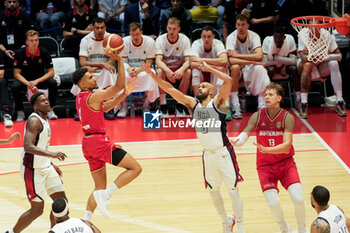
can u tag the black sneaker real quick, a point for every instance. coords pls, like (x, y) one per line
(340, 109)
(164, 111)
(109, 115)
(303, 111)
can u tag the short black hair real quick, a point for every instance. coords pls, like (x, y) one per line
(59, 205)
(208, 28)
(203, 2)
(78, 75)
(98, 20)
(35, 97)
(321, 195)
(279, 28)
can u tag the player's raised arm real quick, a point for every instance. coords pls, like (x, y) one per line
(11, 138)
(186, 100)
(243, 137)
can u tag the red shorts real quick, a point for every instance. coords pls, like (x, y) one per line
(97, 150)
(284, 171)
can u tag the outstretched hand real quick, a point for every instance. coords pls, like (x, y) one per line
(113, 53)
(234, 141)
(146, 68)
(59, 155)
(203, 66)
(130, 86)
(261, 148)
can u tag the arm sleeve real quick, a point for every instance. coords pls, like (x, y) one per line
(159, 46)
(83, 51)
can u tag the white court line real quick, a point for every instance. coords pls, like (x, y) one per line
(119, 217)
(137, 142)
(322, 141)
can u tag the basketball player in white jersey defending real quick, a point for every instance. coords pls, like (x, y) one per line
(41, 176)
(245, 55)
(138, 48)
(313, 70)
(65, 224)
(274, 160)
(10, 139)
(172, 51)
(334, 217)
(219, 158)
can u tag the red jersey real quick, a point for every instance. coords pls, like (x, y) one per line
(269, 133)
(92, 121)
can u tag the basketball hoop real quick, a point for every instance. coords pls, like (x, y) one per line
(315, 32)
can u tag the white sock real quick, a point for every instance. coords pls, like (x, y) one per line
(162, 99)
(88, 215)
(261, 100)
(218, 203)
(273, 201)
(237, 206)
(111, 189)
(11, 231)
(296, 193)
(339, 95)
(234, 98)
(298, 96)
(304, 98)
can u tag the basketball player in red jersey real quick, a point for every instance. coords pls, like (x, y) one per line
(97, 149)
(274, 132)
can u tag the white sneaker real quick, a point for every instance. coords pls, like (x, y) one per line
(20, 116)
(7, 120)
(51, 115)
(236, 112)
(228, 226)
(122, 112)
(179, 114)
(102, 199)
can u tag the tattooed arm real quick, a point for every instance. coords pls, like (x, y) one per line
(320, 226)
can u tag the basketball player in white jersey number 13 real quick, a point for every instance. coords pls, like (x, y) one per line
(274, 159)
(330, 217)
(219, 158)
(40, 175)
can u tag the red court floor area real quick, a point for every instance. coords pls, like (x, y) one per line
(329, 126)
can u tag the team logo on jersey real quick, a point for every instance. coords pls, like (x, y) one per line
(263, 124)
(271, 126)
(144, 52)
(25, 63)
(87, 18)
(177, 48)
(19, 22)
(151, 120)
(278, 125)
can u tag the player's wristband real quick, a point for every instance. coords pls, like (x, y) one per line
(243, 137)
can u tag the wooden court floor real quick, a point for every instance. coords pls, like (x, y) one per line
(169, 195)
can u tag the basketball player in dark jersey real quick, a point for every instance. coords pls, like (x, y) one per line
(97, 148)
(274, 129)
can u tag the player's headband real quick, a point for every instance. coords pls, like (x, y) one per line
(62, 213)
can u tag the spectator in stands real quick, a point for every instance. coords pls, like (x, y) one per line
(245, 56)
(280, 56)
(49, 14)
(91, 4)
(263, 14)
(4, 94)
(112, 11)
(213, 52)
(78, 24)
(232, 9)
(219, 5)
(172, 59)
(14, 25)
(139, 48)
(33, 71)
(204, 14)
(178, 11)
(93, 57)
(144, 13)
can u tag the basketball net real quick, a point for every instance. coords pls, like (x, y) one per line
(315, 32)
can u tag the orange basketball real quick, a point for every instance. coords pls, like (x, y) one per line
(113, 42)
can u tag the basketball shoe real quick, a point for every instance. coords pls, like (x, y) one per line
(340, 109)
(102, 200)
(228, 225)
(236, 111)
(303, 111)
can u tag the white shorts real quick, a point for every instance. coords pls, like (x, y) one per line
(40, 182)
(220, 166)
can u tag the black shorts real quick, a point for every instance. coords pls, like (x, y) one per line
(117, 155)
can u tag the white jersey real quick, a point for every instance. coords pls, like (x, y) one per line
(325, 34)
(249, 45)
(92, 48)
(42, 141)
(134, 55)
(335, 218)
(72, 225)
(173, 53)
(214, 136)
(269, 47)
(198, 49)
